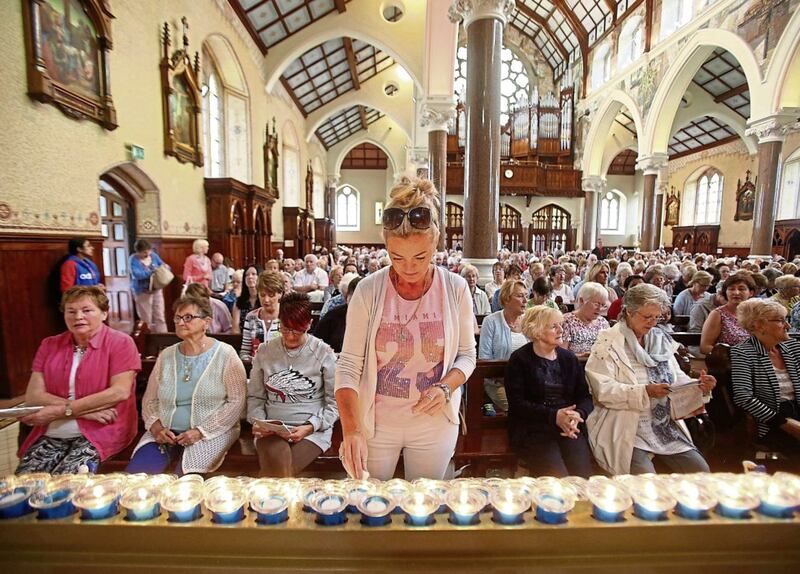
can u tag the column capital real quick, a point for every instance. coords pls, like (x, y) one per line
(333, 179)
(776, 127)
(418, 156)
(467, 11)
(593, 183)
(652, 164)
(437, 113)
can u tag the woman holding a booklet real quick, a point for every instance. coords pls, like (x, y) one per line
(290, 400)
(632, 372)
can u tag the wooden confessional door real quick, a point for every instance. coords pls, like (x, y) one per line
(116, 216)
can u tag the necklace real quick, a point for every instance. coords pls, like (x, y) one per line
(79, 350)
(402, 337)
(189, 364)
(294, 355)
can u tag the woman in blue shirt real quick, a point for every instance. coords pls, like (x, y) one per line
(149, 303)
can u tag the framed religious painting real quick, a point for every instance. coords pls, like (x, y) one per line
(673, 208)
(181, 100)
(67, 43)
(745, 198)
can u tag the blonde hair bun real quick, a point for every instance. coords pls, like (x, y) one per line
(410, 192)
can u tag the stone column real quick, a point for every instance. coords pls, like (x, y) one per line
(484, 22)
(593, 187)
(770, 131)
(436, 117)
(651, 166)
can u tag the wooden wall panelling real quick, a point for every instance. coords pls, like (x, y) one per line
(786, 238)
(696, 239)
(29, 299)
(324, 233)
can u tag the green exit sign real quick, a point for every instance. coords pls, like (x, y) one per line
(137, 153)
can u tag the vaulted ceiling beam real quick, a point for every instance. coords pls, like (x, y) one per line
(340, 7)
(545, 28)
(737, 91)
(351, 61)
(362, 113)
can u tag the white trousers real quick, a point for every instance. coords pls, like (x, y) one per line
(150, 307)
(427, 443)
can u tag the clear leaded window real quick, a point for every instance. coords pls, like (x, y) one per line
(347, 209)
(515, 84)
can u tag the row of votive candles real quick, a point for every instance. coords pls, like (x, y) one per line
(653, 497)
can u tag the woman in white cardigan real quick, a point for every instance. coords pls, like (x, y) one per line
(630, 372)
(408, 348)
(194, 398)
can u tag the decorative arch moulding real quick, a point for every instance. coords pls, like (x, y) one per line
(67, 47)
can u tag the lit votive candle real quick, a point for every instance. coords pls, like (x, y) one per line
(466, 502)
(553, 502)
(329, 505)
(398, 489)
(181, 499)
(735, 500)
(376, 507)
(226, 502)
(437, 488)
(779, 499)
(356, 489)
(695, 500)
(271, 507)
(98, 500)
(14, 502)
(419, 506)
(609, 500)
(141, 502)
(54, 501)
(509, 503)
(651, 500)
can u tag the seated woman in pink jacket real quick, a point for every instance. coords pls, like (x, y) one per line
(84, 378)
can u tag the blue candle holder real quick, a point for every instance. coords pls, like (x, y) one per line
(464, 519)
(100, 512)
(53, 502)
(691, 513)
(141, 514)
(334, 519)
(272, 518)
(733, 512)
(14, 502)
(231, 517)
(187, 515)
(413, 520)
(553, 501)
(367, 520)
(330, 506)
(376, 507)
(776, 510)
(649, 514)
(507, 519)
(550, 517)
(607, 515)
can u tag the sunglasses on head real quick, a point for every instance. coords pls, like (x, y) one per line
(418, 217)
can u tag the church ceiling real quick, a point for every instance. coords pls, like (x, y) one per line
(330, 70)
(722, 77)
(345, 123)
(700, 133)
(270, 22)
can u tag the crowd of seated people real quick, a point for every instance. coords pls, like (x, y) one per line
(585, 336)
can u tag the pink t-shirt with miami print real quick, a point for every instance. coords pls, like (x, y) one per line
(410, 351)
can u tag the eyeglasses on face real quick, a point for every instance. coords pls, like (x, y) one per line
(287, 331)
(187, 318)
(418, 218)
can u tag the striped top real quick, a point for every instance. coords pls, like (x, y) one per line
(755, 383)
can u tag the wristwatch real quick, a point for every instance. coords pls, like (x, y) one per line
(68, 410)
(446, 390)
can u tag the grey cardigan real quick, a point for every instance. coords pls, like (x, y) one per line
(357, 366)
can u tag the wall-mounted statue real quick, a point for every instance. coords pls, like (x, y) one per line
(673, 207)
(745, 198)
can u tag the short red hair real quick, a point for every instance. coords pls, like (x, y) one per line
(295, 311)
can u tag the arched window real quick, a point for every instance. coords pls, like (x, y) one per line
(601, 65)
(630, 45)
(515, 85)
(674, 14)
(702, 198)
(550, 229)
(213, 122)
(612, 212)
(291, 167)
(347, 209)
(789, 202)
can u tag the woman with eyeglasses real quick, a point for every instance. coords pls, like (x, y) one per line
(582, 326)
(631, 371)
(193, 400)
(765, 372)
(84, 379)
(292, 382)
(408, 348)
(721, 326)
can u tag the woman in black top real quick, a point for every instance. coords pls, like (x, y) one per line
(548, 400)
